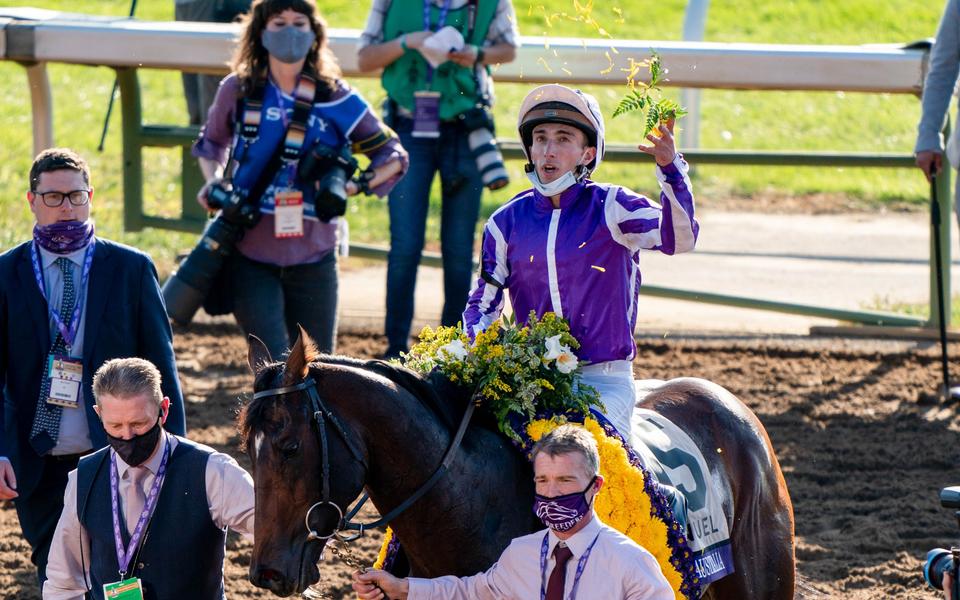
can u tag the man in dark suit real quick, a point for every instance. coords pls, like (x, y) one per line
(68, 302)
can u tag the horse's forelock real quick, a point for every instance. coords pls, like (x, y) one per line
(253, 414)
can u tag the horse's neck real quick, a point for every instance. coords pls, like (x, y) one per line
(447, 530)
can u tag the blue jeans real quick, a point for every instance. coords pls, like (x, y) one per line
(409, 200)
(270, 301)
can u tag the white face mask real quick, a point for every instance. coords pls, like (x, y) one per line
(557, 186)
(560, 184)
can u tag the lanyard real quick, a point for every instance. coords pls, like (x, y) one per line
(440, 22)
(67, 330)
(443, 14)
(124, 558)
(581, 565)
(296, 129)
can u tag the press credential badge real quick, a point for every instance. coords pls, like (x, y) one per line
(288, 214)
(65, 375)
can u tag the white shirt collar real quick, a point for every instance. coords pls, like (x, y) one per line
(580, 541)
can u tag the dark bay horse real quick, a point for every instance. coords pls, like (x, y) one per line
(385, 429)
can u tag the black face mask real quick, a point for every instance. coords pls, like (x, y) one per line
(137, 449)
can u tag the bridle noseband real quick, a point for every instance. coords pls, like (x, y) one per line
(322, 415)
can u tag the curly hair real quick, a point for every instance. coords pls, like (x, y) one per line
(250, 60)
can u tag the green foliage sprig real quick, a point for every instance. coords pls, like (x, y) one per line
(515, 371)
(646, 98)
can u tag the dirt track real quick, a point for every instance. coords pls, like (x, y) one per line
(863, 461)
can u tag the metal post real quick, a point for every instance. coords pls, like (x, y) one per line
(132, 152)
(694, 25)
(41, 101)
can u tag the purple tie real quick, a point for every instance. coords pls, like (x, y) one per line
(558, 577)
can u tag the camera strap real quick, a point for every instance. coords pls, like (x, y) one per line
(304, 96)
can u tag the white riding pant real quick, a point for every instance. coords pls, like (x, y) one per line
(614, 381)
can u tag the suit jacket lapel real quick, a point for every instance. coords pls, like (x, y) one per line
(36, 304)
(98, 290)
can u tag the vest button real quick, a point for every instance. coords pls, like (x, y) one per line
(140, 566)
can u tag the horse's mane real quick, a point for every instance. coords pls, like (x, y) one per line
(448, 409)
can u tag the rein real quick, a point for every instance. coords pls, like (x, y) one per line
(321, 415)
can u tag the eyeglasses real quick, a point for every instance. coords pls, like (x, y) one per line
(55, 199)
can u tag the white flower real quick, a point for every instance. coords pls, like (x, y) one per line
(554, 348)
(454, 350)
(567, 361)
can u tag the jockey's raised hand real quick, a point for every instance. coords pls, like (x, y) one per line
(663, 149)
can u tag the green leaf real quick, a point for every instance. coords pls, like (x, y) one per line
(631, 102)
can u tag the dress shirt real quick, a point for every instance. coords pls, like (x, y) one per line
(617, 569)
(74, 435)
(229, 496)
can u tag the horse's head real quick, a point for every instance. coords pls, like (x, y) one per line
(294, 439)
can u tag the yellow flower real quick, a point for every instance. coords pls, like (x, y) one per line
(382, 555)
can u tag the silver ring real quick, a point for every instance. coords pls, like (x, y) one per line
(313, 535)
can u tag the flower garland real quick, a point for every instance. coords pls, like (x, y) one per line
(388, 550)
(631, 504)
(513, 370)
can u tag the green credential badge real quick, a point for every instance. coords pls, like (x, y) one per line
(128, 589)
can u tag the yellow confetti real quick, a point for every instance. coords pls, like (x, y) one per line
(567, 71)
(615, 51)
(531, 258)
(581, 245)
(620, 19)
(555, 53)
(609, 67)
(545, 65)
(601, 269)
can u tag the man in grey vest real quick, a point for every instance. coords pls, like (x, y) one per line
(147, 497)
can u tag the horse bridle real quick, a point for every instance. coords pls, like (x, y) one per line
(321, 415)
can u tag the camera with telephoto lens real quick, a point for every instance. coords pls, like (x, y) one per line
(186, 289)
(331, 168)
(941, 561)
(483, 147)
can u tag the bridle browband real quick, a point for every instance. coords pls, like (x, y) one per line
(321, 415)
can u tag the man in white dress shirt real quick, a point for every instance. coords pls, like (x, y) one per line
(578, 556)
(150, 511)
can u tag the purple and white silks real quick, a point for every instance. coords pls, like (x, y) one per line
(581, 261)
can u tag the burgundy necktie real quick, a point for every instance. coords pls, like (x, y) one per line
(558, 577)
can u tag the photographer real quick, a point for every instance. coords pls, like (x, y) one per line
(283, 106)
(436, 104)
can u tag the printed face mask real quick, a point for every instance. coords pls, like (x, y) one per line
(63, 237)
(137, 449)
(561, 513)
(289, 44)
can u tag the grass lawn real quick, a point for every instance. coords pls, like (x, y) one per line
(730, 119)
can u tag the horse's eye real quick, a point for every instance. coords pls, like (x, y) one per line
(290, 450)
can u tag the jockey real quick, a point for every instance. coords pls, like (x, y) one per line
(571, 246)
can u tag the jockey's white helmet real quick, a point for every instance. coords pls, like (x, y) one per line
(555, 103)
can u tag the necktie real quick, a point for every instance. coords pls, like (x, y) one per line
(46, 420)
(558, 577)
(136, 497)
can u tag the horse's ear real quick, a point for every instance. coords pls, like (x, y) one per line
(303, 353)
(257, 354)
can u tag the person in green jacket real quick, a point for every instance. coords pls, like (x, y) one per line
(439, 109)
